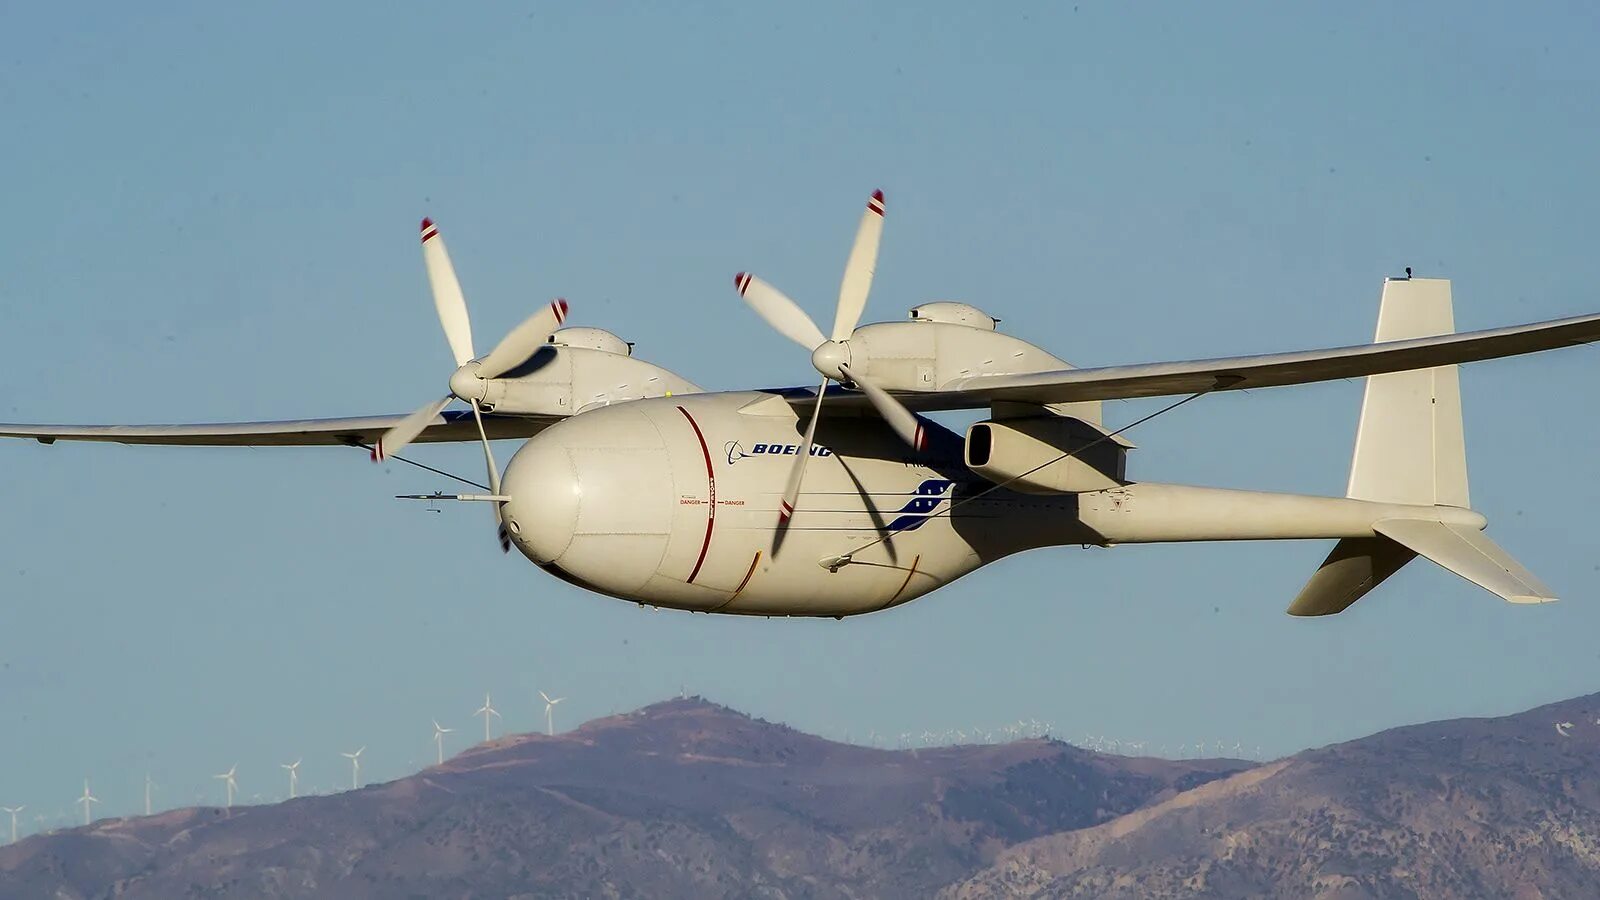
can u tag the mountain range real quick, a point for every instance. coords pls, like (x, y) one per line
(690, 799)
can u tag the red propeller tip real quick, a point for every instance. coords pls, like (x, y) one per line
(876, 203)
(429, 230)
(741, 281)
(560, 307)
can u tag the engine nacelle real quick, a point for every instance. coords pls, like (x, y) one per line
(579, 369)
(944, 342)
(1025, 454)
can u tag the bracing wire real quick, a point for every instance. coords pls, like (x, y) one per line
(1067, 455)
(412, 462)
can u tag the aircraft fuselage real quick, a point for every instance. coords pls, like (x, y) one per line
(674, 502)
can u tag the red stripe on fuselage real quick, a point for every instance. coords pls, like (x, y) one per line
(711, 500)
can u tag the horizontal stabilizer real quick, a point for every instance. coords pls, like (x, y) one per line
(1356, 566)
(1470, 554)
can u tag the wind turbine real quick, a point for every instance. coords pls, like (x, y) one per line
(86, 800)
(549, 710)
(355, 767)
(148, 784)
(486, 711)
(13, 810)
(1563, 727)
(294, 775)
(229, 783)
(439, 732)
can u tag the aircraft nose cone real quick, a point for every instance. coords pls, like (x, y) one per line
(594, 497)
(829, 357)
(542, 514)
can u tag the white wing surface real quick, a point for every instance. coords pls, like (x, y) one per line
(451, 425)
(1239, 373)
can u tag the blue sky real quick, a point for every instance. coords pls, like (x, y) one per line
(210, 214)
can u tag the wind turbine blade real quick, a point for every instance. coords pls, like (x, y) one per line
(543, 696)
(778, 310)
(516, 347)
(858, 269)
(447, 296)
(902, 420)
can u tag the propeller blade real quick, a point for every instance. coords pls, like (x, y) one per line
(858, 270)
(494, 482)
(395, 439)
(797, 472)
(902, 420)
(523, 341)
(447, 297)
(779, 311)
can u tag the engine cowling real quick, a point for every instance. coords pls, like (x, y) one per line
(1028, 455)
(580, 368)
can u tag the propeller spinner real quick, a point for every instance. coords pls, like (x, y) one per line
(831, 356)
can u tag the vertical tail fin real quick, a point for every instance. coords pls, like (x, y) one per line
(1410, 447)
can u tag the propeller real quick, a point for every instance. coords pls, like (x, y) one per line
(469, 382)
(831, 355)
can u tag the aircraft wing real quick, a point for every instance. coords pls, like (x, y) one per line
(450, 425)
(1239, 373)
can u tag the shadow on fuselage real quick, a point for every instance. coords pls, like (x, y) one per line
(994, 521)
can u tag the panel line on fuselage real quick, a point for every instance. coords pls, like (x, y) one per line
(904, 584)
(711, 498)
(749, 573)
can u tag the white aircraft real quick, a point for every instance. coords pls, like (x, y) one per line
(842, 500)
